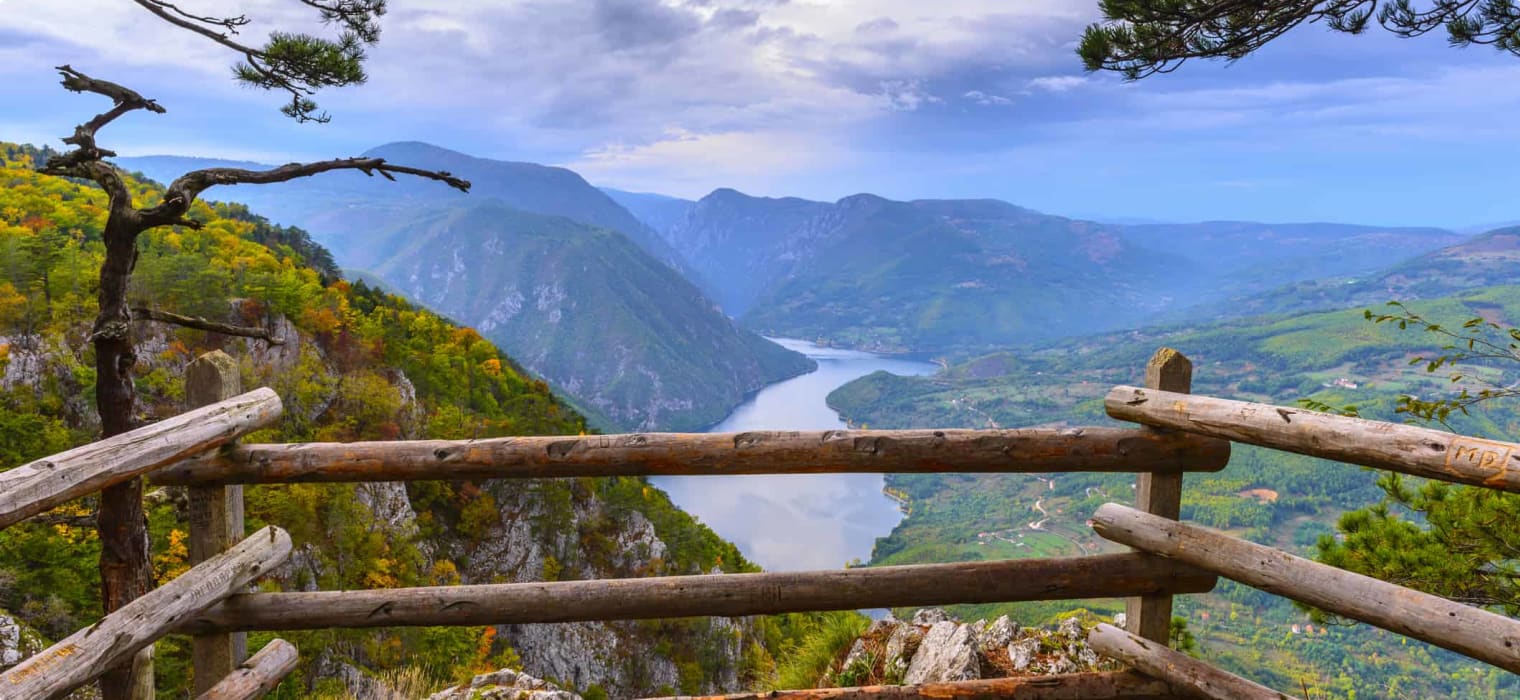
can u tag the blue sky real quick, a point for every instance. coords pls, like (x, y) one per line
(822, 99)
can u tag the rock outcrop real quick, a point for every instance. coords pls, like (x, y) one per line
(933, 647)
(17, 641)
(505, 685)
(947, 653)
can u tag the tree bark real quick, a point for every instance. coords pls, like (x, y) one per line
(37, 486)
(758, 452)
(126, 571)
(1184, 673)
(257, 676)
(726, 595)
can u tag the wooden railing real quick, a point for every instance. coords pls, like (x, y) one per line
(1179, 433)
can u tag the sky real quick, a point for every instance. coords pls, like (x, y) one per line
(823, 99)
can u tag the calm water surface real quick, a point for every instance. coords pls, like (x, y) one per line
(812, 521)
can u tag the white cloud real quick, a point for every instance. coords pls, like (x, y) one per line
(1058, 83)
(986, 99)
(687, 164)
(906, 95)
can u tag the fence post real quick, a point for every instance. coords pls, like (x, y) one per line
(1159, 493)
(216, 518)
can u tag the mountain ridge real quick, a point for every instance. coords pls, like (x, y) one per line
(374, 226)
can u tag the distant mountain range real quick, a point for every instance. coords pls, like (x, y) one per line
(646, 308)
(960, 276)
(545, 265)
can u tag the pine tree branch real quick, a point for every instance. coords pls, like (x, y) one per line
(231, 24)
(183, 20)
(202, 324)
(190, 185)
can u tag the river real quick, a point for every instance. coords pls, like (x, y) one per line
(797, 522)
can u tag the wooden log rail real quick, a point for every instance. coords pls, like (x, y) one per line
(86, 654)
(1123, 685)
(39, 486)
(875, 451)
(1189, 676)
(1477, 633)
(729, 595)
(1407, 449)
(256, 676)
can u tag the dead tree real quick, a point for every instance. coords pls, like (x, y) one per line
(124, 560)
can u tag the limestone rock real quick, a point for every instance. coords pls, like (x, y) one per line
(929, 616)
(858, 655)
(900, 648)
(947, 653)
(17, 641)
(1071, 629)
(1022, 653)
(505, 685)
(998, 634)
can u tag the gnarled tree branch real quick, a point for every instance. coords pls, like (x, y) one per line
(183, 191)
(85, 160)
(202, 324)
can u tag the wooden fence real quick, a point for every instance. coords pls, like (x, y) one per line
(1178, 433)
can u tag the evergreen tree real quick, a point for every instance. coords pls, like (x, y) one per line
(297, 64)
(1145, 37)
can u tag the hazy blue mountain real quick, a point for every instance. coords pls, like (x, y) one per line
(657, 211)
(957, 275)
(745, 246)
(344, 207)
(1490, 259)
(1480, 228)
(1236, 257)
(913, 276)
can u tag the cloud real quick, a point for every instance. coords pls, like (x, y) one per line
(906, 95)
(986, 99)
(810, 97)
(1058, 83)
(594, 75)
(689, 163)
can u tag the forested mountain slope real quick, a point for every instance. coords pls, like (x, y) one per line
(633, 342)
(356, 364)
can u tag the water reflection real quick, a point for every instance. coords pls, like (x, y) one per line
(813, 521)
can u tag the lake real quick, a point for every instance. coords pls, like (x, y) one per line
(805, 521)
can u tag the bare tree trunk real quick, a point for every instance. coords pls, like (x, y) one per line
(125, 568)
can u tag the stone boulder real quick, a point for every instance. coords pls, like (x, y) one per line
(947, 653)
